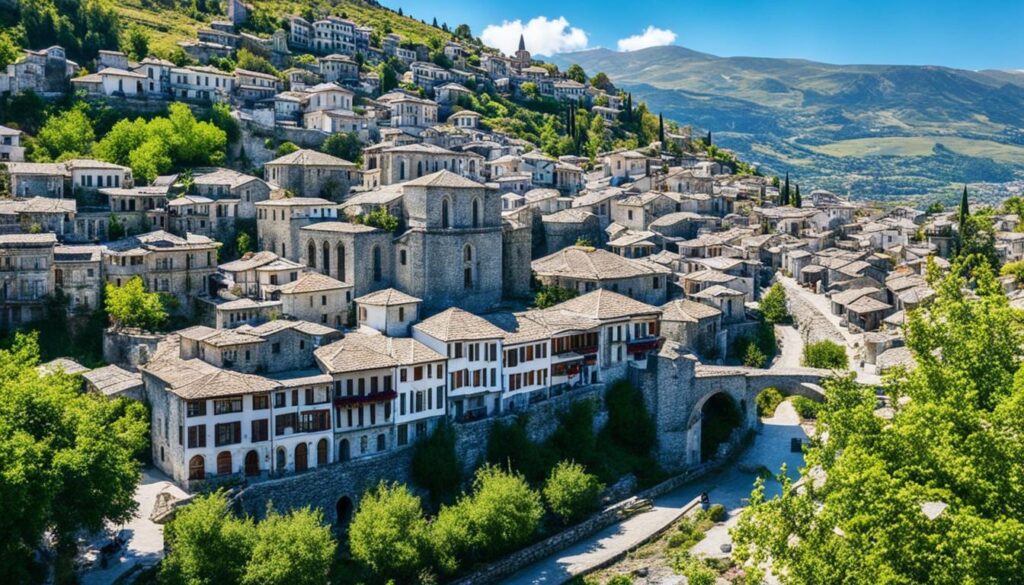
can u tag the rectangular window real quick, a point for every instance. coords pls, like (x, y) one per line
(417, 373)
(439, 391)
(196, 436)
(196, 408)
(401, 404)
(260, 430)
(403, 375)
(227, 405)
(228, 433)
(403, 435)
(280, 400)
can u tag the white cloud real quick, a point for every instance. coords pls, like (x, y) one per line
(543, 36)
(651, 37)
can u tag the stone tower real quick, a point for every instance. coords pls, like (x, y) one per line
(451, 253)
(523, 59)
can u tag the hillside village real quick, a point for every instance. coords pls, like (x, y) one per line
(451, 272)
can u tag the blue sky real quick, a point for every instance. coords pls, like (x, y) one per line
(980, 34)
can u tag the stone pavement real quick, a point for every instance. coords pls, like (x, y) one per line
(145, 544)
(730, 487)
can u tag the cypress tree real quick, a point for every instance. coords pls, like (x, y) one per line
(707, 141)
(964, 212)
(797, 202)
(661, 131)
(784, 197)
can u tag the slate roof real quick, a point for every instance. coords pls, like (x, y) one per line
(587, 263)
(687, 311)
(457, 325)
(387, 297)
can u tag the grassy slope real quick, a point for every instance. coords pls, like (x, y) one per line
(167, 27)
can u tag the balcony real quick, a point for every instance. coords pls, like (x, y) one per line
(644, 344)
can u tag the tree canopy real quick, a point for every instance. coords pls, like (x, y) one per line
(929, 494)
(67, 459)
(131, 306)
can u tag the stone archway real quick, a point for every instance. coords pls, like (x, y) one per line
(343, 509)
(720, 416)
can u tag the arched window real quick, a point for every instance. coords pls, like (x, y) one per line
(282, 459)
(467, 267)
(377, 273)
(343, 450)
(445, 222)
(301, 457)
(197, 468)
(321, 453)
(419, 168)
(476, 213)
(224, 463)
(341, 262)
(252, 463)
(401, 170)
(311, 254)
(326, 264)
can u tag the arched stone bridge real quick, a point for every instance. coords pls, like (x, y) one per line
(676, 387)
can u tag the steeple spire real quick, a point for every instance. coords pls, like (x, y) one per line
(522, 43)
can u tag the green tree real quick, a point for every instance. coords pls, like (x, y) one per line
(1015, 269)
(549, 296)
(935, 207)
(379, 218)
(530, 90)
(825, 354)
(388, 532)
(754, 357)
(131, 306)
(286, 148)
(150, 160)
(934, 487)
(797, 201)
(66, 458)
(208, 545)
(115, 230)
(244, 243)
(576, 73)
(773, 305)
(435, 464)
(136, 43)
(9, 51)
(976, 237)
(344, 145)
(505, 513)
(965, 212)
(388, 75)
(250, 61)
(292, 549)
(221, 117)
(464, 32)
(601, 81)
(570, 492)
(66, 135)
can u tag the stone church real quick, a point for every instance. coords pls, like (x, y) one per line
(453, 248)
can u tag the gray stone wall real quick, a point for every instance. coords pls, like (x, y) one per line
(517, 246)
(128, 349)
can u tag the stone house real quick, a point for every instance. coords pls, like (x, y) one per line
(586, 269)
(11, 149)
(340, 68)
(729, 302)
(26, 276)
(636, 212)
(202, 216)
(693, 325)
(240, 277)
(221, 183)
(359, 255)
(626, 163)
(314, 297)
(178, 266)
(78, 272)
(201, 83)
(389, 311)
(278, 222)
(253, 86)
(311, 173)
(111, 82)
(38, 179)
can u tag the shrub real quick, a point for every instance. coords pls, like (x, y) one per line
(716, 513)
(825, 354)
(549, 296)
(621, 580)
(754, 357)
(435, 464)
(509, 447)
(388, 531)
(451, 536)
(571, 492)
(768, 401)
(773, 305)
(629, 423)
(806, 407)
(695, 571)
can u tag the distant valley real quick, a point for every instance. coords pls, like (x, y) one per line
(870, 131)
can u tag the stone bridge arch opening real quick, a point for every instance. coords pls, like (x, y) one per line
(720, 416)
(344, 510)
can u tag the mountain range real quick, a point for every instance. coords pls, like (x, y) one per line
(870, 131)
